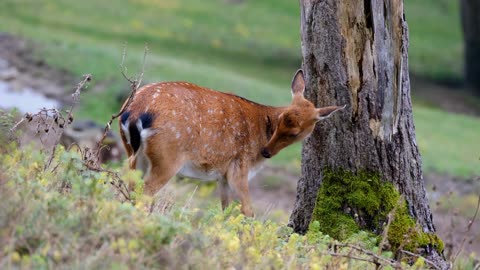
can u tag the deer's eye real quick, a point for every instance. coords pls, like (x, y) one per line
(288, 122)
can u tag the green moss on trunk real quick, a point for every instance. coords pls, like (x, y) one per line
(347, 203)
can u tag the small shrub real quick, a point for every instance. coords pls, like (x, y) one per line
(71, 217)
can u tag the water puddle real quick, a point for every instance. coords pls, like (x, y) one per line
(26, 100)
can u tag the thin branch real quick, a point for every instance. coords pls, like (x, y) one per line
(188, 202)
(122, 65)
(469, 227)
(391, 217)
(140, 77)
(19, 123)
(349, 256)
(134, 85)
(374, 259)
(45, 117)
(370, 253)
(91, 158)
(420, 256)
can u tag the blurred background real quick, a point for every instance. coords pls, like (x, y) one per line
(251, 48)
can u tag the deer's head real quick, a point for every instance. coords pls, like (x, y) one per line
(298, 120)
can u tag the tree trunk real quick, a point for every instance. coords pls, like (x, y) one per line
(471, 34)
(355, 53)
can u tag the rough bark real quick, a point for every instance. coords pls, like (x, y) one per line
(471, 33)
(355, 53)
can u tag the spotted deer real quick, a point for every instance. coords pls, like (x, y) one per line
(181, 128)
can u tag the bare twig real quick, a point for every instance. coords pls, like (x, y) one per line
(469, 227)
(134, 85)
(45, 116)
(91, 157)
(136, 81)
(267, 211)
(370, 260)
(188, 201)
(377, 258)
(122, 64)
(391, 217)
(17, 124)
(432, 264)
(117, 182)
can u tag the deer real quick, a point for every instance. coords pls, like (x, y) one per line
(179, 128)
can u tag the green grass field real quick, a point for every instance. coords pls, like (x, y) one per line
(251, 49)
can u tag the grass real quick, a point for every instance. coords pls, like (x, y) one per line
(250, 49)
(448, 142)
(436, 44)
(72, 218)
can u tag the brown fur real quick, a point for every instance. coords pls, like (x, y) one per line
(216, 132)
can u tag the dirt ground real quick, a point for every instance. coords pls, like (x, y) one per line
(21, 69)
(274, 189)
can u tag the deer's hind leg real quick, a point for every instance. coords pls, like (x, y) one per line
(160, 169)
(237, 177)
(224, 189)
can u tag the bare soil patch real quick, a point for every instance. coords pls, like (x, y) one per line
(21, 68)
(444, 97)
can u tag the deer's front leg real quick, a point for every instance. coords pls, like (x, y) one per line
(238, 180)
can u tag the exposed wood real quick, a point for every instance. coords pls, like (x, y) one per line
(355, 53)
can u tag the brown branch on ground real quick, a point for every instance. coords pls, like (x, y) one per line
(349, 256)
(432, 264)
(376, 259)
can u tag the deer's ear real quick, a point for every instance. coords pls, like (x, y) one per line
(325, 112)
(298, 83)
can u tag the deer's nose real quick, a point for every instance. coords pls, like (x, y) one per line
(266, 153)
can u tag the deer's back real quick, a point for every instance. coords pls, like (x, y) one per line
(207, 127)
